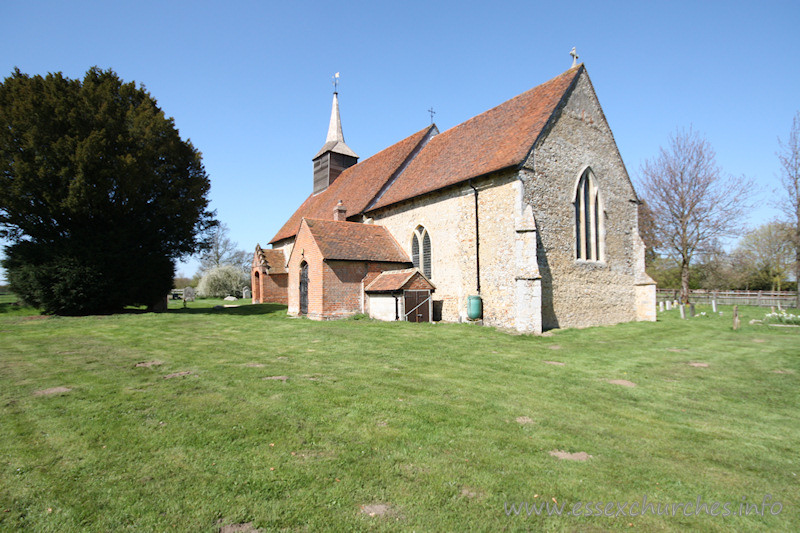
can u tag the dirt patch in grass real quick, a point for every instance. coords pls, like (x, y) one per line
(178, 374)
(247, 527)
(377, 509)
(281, 358)
(53, 390)
(676, 350)
(759, 340)
(699, 365)
(36, 317)
(524, 420)
(623, 382)
(148, 364)
(277, 378)
(554, 347)
(254, 365)
(468, 492)
(782, 372)
(382, 423)
(566, 456)
(557, 363)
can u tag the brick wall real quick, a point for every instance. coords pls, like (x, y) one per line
(305, 249)
(274, 288)
(343, 280)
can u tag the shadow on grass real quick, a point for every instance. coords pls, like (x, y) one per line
(254, 309)
(14, 308)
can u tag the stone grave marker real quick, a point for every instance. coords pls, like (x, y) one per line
(188, 294)
(246, 293)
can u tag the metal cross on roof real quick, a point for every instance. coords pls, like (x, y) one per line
(575, 56)
(432, 112)
(336, 82)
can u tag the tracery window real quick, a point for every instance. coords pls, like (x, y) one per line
(421, 250)
(589, 225)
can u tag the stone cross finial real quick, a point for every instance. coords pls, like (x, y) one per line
(575, 56)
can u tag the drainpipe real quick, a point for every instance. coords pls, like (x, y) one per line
(396, 308)
(477, 242)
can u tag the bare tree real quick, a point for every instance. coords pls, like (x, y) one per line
(223, 251)
(789, 157)
(647, 231)
(693, 204)
(767, 253)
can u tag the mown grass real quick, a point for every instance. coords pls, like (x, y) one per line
(419, 417)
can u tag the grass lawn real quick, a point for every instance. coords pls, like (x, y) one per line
(391, 426)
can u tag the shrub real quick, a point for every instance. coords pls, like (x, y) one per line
(221, 282)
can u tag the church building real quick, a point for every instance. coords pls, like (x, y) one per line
(523, 216)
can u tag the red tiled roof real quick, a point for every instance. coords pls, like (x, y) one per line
(355, 187)
(353, 241)
(499, 138)
(275, 260)
(394, 280)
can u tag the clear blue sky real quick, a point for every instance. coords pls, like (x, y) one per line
(249, 82)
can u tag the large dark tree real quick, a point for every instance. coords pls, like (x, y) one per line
(99, 195)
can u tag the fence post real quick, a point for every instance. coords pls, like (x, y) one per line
(758, 302)
(691, 309)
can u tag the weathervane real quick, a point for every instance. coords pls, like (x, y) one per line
(575, 56)
(336, 83)
(432, 112)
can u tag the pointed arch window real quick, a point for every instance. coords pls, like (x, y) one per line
(421, 250)
(589, 225)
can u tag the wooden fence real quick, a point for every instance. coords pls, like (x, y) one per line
(783, 299)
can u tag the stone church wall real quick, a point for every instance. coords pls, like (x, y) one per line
(579, 293)
(449, 217)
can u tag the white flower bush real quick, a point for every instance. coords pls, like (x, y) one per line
(782, 317)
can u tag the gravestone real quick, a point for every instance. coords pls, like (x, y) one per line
(669, 305)
(735, 317)
(661, 306)
(714, 305)
(691, 309)
(246, 293)
(683, 311)
(230, 298)
(188, 294)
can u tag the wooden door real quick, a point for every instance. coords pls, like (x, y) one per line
(417, 306)
(304, 288)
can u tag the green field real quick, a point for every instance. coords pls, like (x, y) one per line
(391, 426)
